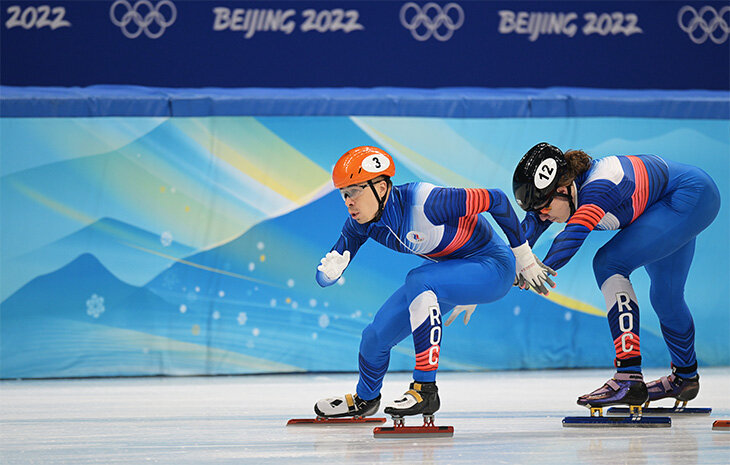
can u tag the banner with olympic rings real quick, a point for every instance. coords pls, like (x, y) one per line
(645, 44)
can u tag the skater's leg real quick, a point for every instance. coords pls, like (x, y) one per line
(390, 326)
(434, 287)
(663, 229)
(668, 278)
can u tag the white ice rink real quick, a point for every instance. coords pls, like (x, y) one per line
(499, 417)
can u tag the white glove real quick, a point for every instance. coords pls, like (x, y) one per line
(466, 309)
(334, 263)
(522, 283)
(529, 270)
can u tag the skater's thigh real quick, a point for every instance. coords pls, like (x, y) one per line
(656, 234)
(463, 281)
(392, 322)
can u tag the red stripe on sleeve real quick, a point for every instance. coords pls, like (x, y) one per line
(477, 201)
(588, 215)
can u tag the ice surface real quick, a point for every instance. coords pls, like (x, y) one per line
(499, 417)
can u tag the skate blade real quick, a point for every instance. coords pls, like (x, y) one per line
(721, 425)
(334, 421)
(662, 411)
(413, 432)
(624, 422)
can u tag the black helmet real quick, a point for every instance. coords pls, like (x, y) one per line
(536, 177)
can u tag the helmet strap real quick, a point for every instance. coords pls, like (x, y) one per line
(381, 200)
(568, 196)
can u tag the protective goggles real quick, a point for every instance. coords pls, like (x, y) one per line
(547, 206)
(352, 192)
(544, 208)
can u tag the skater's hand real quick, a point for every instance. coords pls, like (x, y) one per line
(459, 309)
(530, 273)
(334, 263)
(550, 272)
(521, 282)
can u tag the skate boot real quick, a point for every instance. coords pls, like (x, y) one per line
(421, 398)
(676, 387)
(623, 388)
(348, 405)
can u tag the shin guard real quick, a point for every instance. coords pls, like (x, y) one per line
(623, 319)
(426, 326)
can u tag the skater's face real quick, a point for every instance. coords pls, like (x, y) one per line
(558, 209)
(361, 203)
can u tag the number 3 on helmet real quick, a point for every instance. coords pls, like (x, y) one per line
(362, 164)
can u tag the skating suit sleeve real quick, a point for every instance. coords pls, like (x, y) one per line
(446, 203)
(351, 238)
(533, 227)
(595, 198)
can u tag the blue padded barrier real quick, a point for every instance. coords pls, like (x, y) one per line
(95, 101)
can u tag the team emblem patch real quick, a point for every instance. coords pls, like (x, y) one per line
(415, 237)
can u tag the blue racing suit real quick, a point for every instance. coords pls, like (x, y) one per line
(467, 264)
(659, 207)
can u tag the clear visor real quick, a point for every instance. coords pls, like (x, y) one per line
(352, 192)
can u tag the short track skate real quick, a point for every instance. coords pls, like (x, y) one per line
(400, 430)
(670, 387)
(721, 425)
(622, 389)
(679, 408)
(342, 410)
(635, 419)
(321, 421)
(419, 399)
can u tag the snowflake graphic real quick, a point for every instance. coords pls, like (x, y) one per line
(242, 318)
(95, 306)
(166, 239)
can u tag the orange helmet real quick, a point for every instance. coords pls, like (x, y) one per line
(362, 164)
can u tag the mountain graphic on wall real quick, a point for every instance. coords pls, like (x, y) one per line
(134, 255)
(252, 305)
(81, 320)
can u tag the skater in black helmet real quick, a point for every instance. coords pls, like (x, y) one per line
(659, 207)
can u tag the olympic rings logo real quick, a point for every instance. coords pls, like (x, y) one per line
(707, 25)
(432, 20)
(143, 14)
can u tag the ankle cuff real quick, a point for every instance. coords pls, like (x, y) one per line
(679, 371)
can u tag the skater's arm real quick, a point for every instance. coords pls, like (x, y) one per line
(338, 258)
(443, 204)
(597, 199)
(533, 227)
